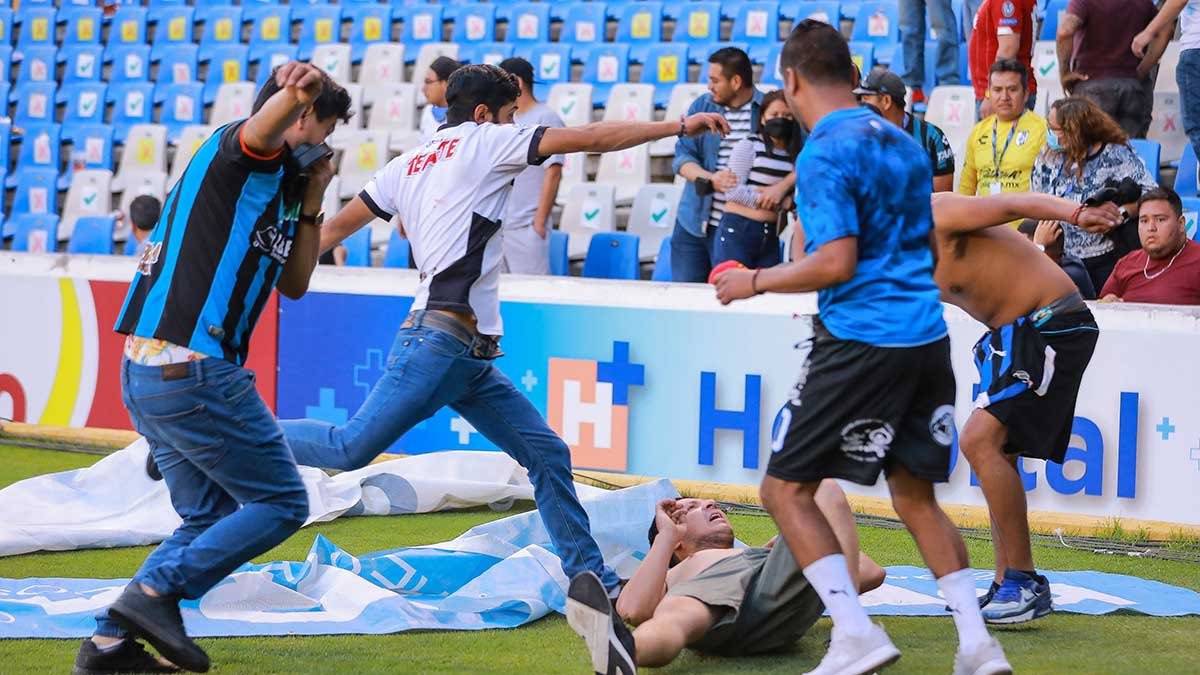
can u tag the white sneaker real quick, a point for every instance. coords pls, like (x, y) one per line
(857, 654)
(986, 659)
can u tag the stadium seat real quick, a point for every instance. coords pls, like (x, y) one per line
(330, 201)
(152, 183)
(529, 22)
(1053, 13)
(574, 172)
(863, 55)
(682, 96)
(369, 24)
(40, 150)
(1166, 126)
(367, 153)
(589, 209)
(551, 65)
(133, 103)
(422, 26)
(343, 134)
(1191, 216)
(398, 251)
(227, 63)
(85, 104)
(6, 53)
(952, 109)
(271, 58)
(33, 232)
(757, 23)
(127, 27)
(770, 72)
(37, 65)
(1151, 154)
(627, 170)
(879, 24)
(35, 103)
(560, 261)
(425, 56)
(828, 12)
(653, 216)
(173, 25)
(233, 102)
(612, 255)
(270, 27)
(177, 63)
(93, 144)
(583, 23)
(90, 194)
(572, 101)
(1046, 96)
(92, 235)
(491, 53)
(698, 53)
(1186, 177)
(475, 23)
(145, 151)
(698, 22)
(394, 110)
(82, 25)
(662, 261)
(630, 103)
(606, 64)
(358, 248)
(36, 192)
(6, 25)
(37, 27)
(1045, 64)
(189, 140)
(182, 105)
(334, 59)
(130, 63)
(1167, 65)
(222, 27)
(666, 66)
(640, 26)
(382, 63)
(82, 63)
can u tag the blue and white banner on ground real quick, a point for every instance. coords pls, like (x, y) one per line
(498, 575)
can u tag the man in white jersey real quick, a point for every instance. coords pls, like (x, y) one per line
(450, 195)
(1187, 73)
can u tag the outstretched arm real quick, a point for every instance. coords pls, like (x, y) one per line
(955, 213)
(612, 136)
(347, 221)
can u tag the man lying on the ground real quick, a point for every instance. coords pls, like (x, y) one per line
(694, 589)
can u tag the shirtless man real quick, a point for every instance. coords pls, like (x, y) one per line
(694, 589)
(1030, 364)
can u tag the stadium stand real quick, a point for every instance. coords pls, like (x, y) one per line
(612, 255)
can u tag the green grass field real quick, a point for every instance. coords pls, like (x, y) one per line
(1060, 643)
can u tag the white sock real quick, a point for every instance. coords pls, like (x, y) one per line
(959, 590)
(830, 577)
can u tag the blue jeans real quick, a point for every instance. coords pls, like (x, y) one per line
(1187, 76)
(218, 448)
(912, 39)
(691, 255)
(428, 369)
(747, 241)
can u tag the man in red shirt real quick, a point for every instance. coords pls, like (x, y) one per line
(1004, 29)
(1166, 271)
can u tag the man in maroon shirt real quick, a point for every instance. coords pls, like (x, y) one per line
(1094, 60)
(1166, 271)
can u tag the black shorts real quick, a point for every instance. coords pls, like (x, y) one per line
(858, 409)
(1030, 371)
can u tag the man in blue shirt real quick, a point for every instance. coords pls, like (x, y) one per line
(877, 391)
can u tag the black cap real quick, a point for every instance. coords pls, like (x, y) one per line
(521, 68)
(444, 66)
(882, 82)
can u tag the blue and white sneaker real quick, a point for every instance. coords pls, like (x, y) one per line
(1022, 597)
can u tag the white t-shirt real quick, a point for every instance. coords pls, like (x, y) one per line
(450, 195)
(1189, 26)
(527, 188)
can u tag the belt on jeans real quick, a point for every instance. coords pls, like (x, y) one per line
(479, 345)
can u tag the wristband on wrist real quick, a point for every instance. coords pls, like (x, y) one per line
(754, 282)
(1078, 212)
(682, 126)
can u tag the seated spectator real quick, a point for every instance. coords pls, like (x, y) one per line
(1166, 270)
(748, 232)
(1002, 148)
(884, 91)
(1048, 236)
(1084, 149)
(434, 89)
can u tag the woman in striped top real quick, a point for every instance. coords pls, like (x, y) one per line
(747, 233)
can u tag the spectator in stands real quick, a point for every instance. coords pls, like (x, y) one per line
(1166, 270)
(912, 41)
(749, 233)
(884, 91)
(434, 89)
(1187, 73)
(1001, 149)
(1094, 61)
(527, 219)
(1048, 236)
(1003, 29)
(1086, 148)
(143, 214)
(703, 161)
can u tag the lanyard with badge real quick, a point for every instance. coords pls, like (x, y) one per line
(996, 187)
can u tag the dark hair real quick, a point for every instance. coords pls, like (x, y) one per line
(1084, 124)
(521, 69)
(819, 53)
(1163, 194)
(734, 61)
(767, 99)
(334, 100)
(144, 211)
(475, 85)
(1010, 66)
(443, 67)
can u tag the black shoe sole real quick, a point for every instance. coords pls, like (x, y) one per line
(589, 613)
(174, 646)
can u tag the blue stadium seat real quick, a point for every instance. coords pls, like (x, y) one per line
(756, 23)
(666, 66)
(640, 26)
(35, 103)
(270, 27)
(275, 56)
(37, 27)
(879, 24)
(5, 87)
(173, 25)
(699, 53)
(612, 255)
(131, 246)
(369, 23)
(863, 54)
(662, 264)
(1151, 154)
(398, 251)
(38, 65)
(222, 26)
(698, 22)
(177, 63)
(94, 144)
(1050, 20)
(5, 141)
(6, 26)
(6, 52)
(770, 71)
(551, 65)
(829, 12)
(83, 25)
(85, 104)
(1191, 213)
(28, 228)
(127, 27)
(130, 63)
(83, 63)
(37, 192)
(227, 63)
(319, 25)
(560, 261)
(133, 103)
(583, 23)
(1185, 179)
(92, 234)
(422, 24)
(529, 22)
(475, 23)
(182, 104)
(155, 4)
(41, 146)
(358, 248)
(491, 52)
(606, 64)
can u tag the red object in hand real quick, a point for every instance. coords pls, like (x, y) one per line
(720, 269)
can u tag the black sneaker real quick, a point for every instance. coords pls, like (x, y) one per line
(152, 467)
(128, 657)
(159, 622)
(590, 613)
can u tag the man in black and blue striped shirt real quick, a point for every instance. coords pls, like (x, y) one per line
(243, 219)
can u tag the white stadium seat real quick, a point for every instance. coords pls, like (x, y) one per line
(338, 139)
(630, 103)
(394, 110)
(90, 194)
(1166, 126)
(366, 152)
(626, 170)
(682, 96)
(1045, 64)
(589, 209)
(189, 140)
(572, 101)
(653, 216)
(1166, 82)
(334, 59)
(145, 151)
(331, 203)
(234, 101)
(383, 63)
(574, 172)
(153, 183)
